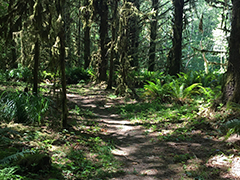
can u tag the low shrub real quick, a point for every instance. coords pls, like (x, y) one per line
(76, 74)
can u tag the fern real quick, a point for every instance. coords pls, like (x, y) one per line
(15, 156)
(233, 126)
(23, 108)
(155, 90)
(8, 173)
(180, 93)
(4, 133)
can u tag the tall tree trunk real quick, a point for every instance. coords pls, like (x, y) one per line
(114, 24)
(36, 66)
(174, 61)
(63, 77)
(103, 12)
(13, 27)
(78, 38)
(68, 39)
(153, 37)
(124, 80)
(134, 36)
(231, 88)
(86, 37)
(62, 37)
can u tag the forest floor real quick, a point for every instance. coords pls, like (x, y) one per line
(115, 138)
(145, 154)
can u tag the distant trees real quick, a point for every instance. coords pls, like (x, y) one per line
(115, 40)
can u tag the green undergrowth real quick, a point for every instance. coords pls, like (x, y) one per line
(41, 153)
(186, 124)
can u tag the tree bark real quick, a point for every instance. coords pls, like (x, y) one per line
(78, 50)
(63, 77)
(36, 66)
(134, 36)
(114, 24)
(153, 37)
(174, 61)
(231, 87)
(62, 37)
(86, 37)
(103, 12)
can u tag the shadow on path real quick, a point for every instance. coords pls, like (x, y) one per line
(143, 155)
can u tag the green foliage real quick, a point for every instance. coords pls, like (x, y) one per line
(93, 74)
(180, 93)
(3, 76)
(23, 107)
(76, 74)
(19, 74)
(166, 87)
(4, 136)
(8, 173)
(212, 79)
(47, 75)
(34, 162)
(232, 126)
(143, 77)
(156, 90)
(14, 157)
(182, 88)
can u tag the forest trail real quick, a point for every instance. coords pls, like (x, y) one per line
(142, 155)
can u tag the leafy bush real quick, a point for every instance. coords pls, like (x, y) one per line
(232, 126)
(76, 74)
(2, 76)
(143, 77)
(212, 79)
(19, 74)
(23, 108)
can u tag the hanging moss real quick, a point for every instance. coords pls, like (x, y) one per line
(124, 87)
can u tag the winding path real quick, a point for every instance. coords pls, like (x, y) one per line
(143, 157)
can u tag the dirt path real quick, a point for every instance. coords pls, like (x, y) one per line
(143, 156)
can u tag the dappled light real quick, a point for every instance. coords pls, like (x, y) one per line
(119, 90)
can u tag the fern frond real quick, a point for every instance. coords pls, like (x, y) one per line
(15, 156)
(233, 126)
(8, 173)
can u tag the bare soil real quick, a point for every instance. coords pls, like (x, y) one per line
(144, 157)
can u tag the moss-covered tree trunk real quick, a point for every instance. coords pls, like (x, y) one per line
(134, 36)
(68, 34)
(125, 86)
(153, 36)
(174, 61)
(103, 13)
(113, 29)
(13, 28)
(36, 66)
(231, 87)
